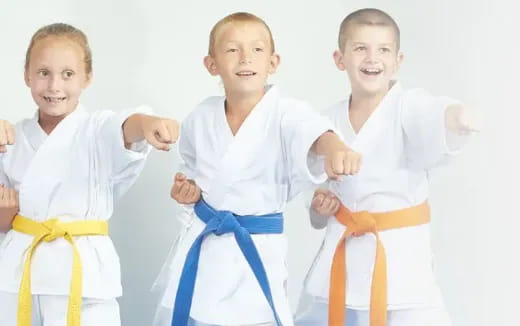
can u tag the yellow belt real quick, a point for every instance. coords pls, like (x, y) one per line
(49, 231)
(360, 223)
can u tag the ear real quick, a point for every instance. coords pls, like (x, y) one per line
(338, 60)
(274, 63)
(400, 58)
(210, 65)
(88, 81)
(27, 78)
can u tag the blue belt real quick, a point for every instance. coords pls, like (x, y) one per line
(221, 222)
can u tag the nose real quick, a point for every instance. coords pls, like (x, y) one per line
(245, 57)
(54, 84)
(371, 55)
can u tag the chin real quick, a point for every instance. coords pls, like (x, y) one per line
(250, 89)
(54, 111)
(373, 89)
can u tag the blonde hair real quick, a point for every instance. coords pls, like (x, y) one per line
(237, 17)
(66, 31)
(368, 17)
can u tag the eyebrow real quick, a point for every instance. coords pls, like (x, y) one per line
(364, 43)
(253, 41)
(48, 68)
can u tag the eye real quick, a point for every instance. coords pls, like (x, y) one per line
(67, 74)
(385, 50)
(258, 49)
(43, 73)
(232, 50)
(360, 48)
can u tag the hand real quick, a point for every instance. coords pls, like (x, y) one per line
(325, 202)
(342, 161)
(6, 135)
(461, 120)
(9, 207)
(160, 132)
(185, 191)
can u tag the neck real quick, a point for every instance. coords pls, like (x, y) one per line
(364, 101)
(240, 105)
(47, 122)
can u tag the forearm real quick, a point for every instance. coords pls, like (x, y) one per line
(327, 143)
(133, 128)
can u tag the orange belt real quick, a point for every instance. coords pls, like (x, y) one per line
(360, 223)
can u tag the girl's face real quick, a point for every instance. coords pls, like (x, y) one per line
(56, 74)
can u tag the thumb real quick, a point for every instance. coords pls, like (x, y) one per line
(154, 140)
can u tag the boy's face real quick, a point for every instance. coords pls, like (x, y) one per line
(370, 57)
(242, 56)
(56, 75)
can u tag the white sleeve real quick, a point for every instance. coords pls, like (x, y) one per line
(187, 149)
(428, 142)
(187, 164)
(300, 128)
(120, 165)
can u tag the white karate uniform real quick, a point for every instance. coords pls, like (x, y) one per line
(75, 173)
(255, 172)
(400, 142)
(51, 310)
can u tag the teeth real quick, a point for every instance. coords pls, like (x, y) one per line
(371, 70)
(49, 99)
(246, 73)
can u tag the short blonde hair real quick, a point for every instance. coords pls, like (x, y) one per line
(62, 30)
(368, 17)
(237, 17)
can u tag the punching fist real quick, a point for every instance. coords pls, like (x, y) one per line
(342, 161)
(461, 120)
(339, 159)
(160, 132)
(6, 135)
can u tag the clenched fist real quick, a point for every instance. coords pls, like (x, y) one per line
(6, 135)
(184, 190)
(339, 159)
(325, 202)
(342, 161)
(8, 207)
(160, 132)
(461, 120)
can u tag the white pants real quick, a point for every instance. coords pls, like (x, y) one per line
(317, 315)
(51, 310)
(197, 323)
(164, 318)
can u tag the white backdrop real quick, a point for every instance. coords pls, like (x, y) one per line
(150, 51)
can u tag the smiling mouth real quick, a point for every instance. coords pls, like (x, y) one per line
(371, 71)
(245, 73)
(54, 100)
